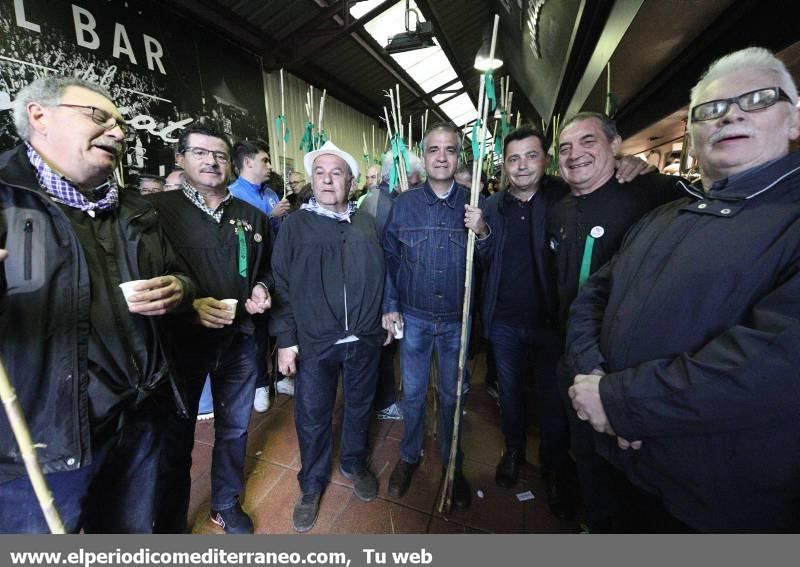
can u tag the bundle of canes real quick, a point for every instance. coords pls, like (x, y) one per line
(483, 106)
(396, 138)
(28, 452)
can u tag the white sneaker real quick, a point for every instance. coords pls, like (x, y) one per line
(261, 401)
(285, 386)
(390, 413)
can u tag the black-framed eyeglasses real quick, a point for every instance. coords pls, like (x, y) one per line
(202, 153)
(748, 102)
(103, 118)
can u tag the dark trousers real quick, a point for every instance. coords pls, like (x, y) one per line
(115, 493)
(232, 368)
(386, 393)
(512, 347)
(314, 401)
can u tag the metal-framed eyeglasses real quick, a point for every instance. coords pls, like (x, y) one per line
(103, 118)
(202, 153)
(748, 102)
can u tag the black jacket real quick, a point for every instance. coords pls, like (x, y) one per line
(44, 313)
(697, 322)
(490, 250)
(329, 278)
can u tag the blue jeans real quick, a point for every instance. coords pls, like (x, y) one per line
(512, 348)
(115, 493)
(314, 401)
(421, 336)
(232, 367)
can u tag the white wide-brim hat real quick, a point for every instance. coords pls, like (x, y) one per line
(330, 148)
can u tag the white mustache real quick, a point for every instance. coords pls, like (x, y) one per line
(729, 131)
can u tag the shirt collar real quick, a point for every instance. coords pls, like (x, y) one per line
(199, 201)
(753, 182)
(62, 190)
(432, 198)
(314, 207)
(245, 184)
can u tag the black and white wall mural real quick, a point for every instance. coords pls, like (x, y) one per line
(163, 70)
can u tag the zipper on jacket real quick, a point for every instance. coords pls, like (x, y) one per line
(28, 267)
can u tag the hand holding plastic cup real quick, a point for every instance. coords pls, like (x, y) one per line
(127, 289)
(232, 303)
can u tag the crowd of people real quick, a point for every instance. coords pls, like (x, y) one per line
(659, 319)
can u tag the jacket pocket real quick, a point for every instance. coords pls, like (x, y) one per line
(28, 254)
(413, 245)
(26, 244)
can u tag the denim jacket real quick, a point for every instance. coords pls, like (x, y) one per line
(425, 246)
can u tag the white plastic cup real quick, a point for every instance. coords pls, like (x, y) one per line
(397, 329)
(232, 303)
(127, 288)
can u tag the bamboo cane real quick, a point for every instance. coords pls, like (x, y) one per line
(447, 493)
(283, 135)
(372, 155)
(321, 110)
(27, 450)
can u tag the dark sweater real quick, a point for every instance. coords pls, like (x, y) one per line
(329, 278)
(208, 251)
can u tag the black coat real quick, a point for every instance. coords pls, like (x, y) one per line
(697, 322)
(329, 278)
(44, 312)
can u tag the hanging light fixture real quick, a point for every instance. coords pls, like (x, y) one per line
(482, 61)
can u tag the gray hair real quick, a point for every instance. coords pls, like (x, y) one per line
(47, 91)
(607, 124)
(413, 161)
(447, 127)
(751, 58)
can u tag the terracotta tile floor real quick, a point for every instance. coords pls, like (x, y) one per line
(273, 460)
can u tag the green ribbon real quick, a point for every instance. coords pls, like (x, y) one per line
(399, 151)
(498, 146)
(307, 143)
(280, 120)
(488, 80)
(586, 262)
(504, 127)
(476, 148)
(242, 249)
(320, 139)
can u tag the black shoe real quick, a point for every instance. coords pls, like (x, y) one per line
(507, 471)
(462, 493)
(560, 495)
(305, 513)
(365, 485)
(234, 520)
(401, 478)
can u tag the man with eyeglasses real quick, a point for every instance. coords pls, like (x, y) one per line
(225, 244)
(85, 362)
(685, 345)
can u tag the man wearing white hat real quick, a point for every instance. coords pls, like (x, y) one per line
(329, 275)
